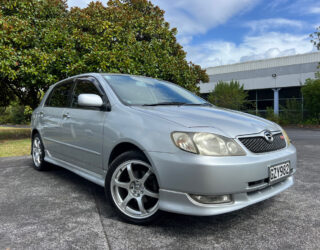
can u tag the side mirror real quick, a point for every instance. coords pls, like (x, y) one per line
(90, 100)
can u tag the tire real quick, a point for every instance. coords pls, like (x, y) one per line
(38, 153)
(132, 188)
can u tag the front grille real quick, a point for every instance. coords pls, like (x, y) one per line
(259, 144)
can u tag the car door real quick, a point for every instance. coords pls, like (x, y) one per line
(51, 115)
(83, 127)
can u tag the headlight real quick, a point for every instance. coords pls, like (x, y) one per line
(183, 141)
(286, 137)
(207, 144)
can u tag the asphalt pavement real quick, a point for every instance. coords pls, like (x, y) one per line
(57, 209)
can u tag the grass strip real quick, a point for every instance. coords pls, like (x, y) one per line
(18, 147)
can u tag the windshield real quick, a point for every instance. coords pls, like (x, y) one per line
(135, 90)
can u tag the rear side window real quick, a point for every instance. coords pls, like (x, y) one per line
(83, 87)
(60, 95)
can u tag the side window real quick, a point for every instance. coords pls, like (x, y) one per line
(83, 87)
(60, 95)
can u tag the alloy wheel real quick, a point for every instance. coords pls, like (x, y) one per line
(135, 190)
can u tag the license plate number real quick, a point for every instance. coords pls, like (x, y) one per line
(279, 171)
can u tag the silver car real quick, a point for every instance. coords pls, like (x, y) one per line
(155, 146)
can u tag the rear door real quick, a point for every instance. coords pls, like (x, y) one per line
(51, 116)
(83, 127)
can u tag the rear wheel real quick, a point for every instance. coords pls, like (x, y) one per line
(38, 153)
(133, 189)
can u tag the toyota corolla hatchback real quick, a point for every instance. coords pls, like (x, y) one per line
(157, 147)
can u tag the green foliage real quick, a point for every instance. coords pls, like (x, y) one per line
(270, 115)
(229, 95)
(311, 95)
(315, 38)
(41, 42)
(292, 112)
(15, 114)
(312, 121)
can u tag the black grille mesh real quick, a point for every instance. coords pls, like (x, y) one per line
(260, 145)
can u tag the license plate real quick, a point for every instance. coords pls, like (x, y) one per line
(279, 171)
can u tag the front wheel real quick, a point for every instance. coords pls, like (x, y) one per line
(132, 188)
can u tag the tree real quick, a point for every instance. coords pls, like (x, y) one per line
(311, 96)
(41, 42)
(315, 39)
(228, 95)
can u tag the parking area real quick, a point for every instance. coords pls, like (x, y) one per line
(59, 210)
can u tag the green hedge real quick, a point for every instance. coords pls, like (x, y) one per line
(14, 133)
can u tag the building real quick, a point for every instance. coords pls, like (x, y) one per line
(269, 82)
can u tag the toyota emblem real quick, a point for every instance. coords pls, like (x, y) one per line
(268, 136)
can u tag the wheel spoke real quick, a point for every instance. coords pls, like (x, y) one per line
(121, 184)
(151, 194)
(141, 206)
(146, 176)
(37, 143)
(130, 172)
(125, 202)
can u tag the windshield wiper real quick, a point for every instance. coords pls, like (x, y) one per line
(198, 104)
(178, 104)
(165, 103)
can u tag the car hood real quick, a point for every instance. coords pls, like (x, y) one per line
(228, 122)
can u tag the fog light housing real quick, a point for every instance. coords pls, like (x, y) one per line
(211, 199)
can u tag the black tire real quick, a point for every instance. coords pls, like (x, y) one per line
(40, 165)
(117, 163)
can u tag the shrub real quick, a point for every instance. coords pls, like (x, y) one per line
(229, 95)
(292, 113)
(15, 114)
(270, 115)
(311, 95)
(14, 133)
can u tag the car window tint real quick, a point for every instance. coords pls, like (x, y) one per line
(83, 87)
(60, 95)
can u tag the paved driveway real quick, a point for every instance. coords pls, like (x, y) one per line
(59, 210)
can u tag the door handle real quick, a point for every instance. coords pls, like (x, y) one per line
(67, 116)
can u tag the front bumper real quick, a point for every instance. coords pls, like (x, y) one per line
(179, 202)
(241, 176)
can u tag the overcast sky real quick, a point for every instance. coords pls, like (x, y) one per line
(217, 32)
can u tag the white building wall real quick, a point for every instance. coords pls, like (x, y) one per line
(286, 70)
(281, 81)
(266, 63)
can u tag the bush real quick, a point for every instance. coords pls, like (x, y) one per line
(15, 114)
(229, 95)
(292, 113)
(311, 95)
(14, 133)
(270, 115)
(312, 121)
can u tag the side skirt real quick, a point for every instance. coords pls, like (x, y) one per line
(90, 176)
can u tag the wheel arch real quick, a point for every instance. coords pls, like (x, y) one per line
(124, 147)
(34, 131)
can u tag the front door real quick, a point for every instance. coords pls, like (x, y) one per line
(83, 127)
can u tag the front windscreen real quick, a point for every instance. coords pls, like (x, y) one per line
(135, 90)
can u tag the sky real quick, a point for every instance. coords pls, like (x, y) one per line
(219, 32)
